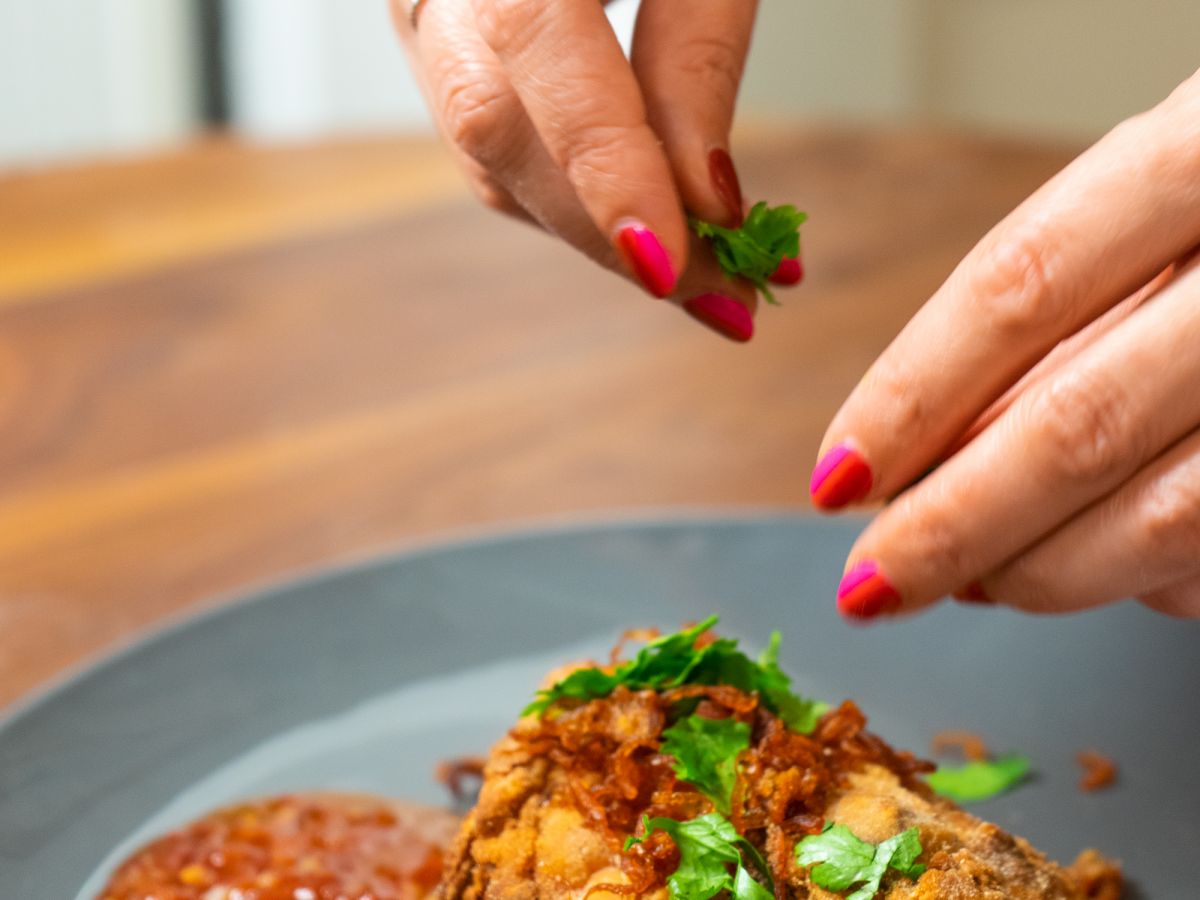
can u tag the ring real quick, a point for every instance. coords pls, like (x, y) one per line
(414, 11)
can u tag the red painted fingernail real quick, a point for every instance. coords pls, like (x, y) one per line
(789, 272)
(840, 478)
(973, 593)
(866, 593)
(725, 182)
(722, 314)
(647, 258)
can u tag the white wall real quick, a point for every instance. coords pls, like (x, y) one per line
(304, 67)
(84, 76)
(1068, 68)
(79, 77)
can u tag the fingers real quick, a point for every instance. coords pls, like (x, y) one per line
(725, 305)
(487, 128)
(690, 66)
(1092, 235)
(579, 92)
(511, 170)
(1141, 540)
(1061, 446)
(1180, 600)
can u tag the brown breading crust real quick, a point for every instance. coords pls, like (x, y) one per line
(530, 837)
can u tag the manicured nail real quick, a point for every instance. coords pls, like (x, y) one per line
(865, 592)
(973, 593)
(722, 314)
(725, 183)
(647, 258)
(789, 272)
(840, 478)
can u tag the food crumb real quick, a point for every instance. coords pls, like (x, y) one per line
(971, 745)
(1099, 771)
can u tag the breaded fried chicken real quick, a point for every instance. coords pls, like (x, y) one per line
(572, 782)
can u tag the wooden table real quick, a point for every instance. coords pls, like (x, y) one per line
(228, 364)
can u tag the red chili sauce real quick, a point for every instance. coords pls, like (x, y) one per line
(297, 847)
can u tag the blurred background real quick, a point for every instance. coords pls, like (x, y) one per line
(126, 75)
(251, 323)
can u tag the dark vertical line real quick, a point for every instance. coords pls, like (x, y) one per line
(209, 17)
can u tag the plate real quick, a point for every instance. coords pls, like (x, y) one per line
(363, 678)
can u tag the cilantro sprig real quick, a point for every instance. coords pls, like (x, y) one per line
(841, 860)
(674, 660)
(706, 753)
(708, 845)
(981, 779)
(767, 235)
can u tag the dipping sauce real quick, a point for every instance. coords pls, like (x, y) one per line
(295, 847)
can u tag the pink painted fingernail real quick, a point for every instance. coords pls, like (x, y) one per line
(789, 272)
(725, 182)
(866, 593)
(722, 314)
(840, 478)
(973, 593)
(647, 258)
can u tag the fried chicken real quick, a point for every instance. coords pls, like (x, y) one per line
(561, 793)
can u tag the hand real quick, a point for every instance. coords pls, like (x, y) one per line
(1054, 383)
(553, 125)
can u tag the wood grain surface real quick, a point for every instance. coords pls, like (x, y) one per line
(264, 398)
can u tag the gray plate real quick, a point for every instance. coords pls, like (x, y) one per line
(362, 679)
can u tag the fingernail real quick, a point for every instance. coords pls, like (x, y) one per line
(722, 314)
(840, 478)
(789, 272)
(725, 183)
(972, 593)
(647, 258)
(865, 592)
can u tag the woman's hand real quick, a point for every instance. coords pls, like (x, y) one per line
(555, 126)
(1054, 383)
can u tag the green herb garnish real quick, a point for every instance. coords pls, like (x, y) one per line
(843, 860)
(706, 753)
(979, 780)
(674, 660)
(708, 846)
(799, 713)
(755, 250)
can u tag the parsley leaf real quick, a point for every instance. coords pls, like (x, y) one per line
(706, 753)
(754, 251)
(708, 845)
(799, 713)
(843, 860)
(674, 660)
(979, 780)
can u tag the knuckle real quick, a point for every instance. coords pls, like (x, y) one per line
(1082, 422)
(1015, 282)
(476, 114)
(1170, 519)
(510, 25)
(594, 152)
(933, 531)
(713, 61)
(893, 389)
(1027, 584)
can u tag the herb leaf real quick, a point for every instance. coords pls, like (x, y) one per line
(706, 753)
(708, 845)
(979, 780)
(754, 251)
(674, 660)
(799, 713)
(842, 860)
